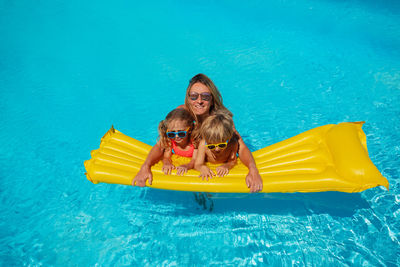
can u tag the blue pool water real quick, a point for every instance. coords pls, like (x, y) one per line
(69, 70)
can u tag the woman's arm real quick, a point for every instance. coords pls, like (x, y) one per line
(154, 156)
(253, 178)
(199, 165)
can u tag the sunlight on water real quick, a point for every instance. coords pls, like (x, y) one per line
(70, 70)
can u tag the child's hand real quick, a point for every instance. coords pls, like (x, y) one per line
(222, 170)
(182, 170)
(167, 167)
(205, 172)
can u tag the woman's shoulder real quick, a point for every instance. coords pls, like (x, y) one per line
(182, 106)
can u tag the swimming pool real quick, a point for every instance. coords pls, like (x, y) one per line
(69, 70)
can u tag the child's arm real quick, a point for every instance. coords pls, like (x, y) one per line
(182, 169)
(199, 165)
(144, 173)
(224, 168)
(167, 162)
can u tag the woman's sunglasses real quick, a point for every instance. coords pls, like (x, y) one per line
(220, 145)
(204, 96)
(180, 134)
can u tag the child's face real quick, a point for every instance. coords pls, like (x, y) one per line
(176, 126)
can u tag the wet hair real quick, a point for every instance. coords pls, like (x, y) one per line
(218, 128)
(176, 114)
(216, 101)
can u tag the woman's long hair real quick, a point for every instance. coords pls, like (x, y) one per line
(216, 102)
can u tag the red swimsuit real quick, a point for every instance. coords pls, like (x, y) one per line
(176, 150)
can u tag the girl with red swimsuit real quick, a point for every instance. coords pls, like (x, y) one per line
(174, 133)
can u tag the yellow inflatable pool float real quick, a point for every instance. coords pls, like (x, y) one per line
(327, 158)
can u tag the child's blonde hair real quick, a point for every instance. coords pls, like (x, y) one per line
(176, 114)
(218, 128)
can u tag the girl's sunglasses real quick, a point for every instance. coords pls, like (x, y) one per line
(220, 145)
(204, 96)
(180, 134)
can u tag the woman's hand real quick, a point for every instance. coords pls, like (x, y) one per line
(254, 181)
(182, 169)
(205, 172)
(141, 177)
(167, 167)
(222, 170)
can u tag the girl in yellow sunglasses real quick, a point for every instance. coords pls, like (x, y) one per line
(219, 144)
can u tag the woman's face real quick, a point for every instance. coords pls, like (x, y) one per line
(200, 105)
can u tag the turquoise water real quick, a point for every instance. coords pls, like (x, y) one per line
(69, 70)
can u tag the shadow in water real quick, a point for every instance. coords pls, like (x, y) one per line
(333, 203)
(204, 200)
(299, 204)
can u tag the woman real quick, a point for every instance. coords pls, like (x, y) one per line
(202, 100)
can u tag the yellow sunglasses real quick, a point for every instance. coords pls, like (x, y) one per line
(222, 145)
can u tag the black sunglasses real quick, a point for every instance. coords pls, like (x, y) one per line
(204, 96)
